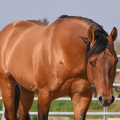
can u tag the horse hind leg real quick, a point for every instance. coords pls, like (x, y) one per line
(25, 103)
(7, 84)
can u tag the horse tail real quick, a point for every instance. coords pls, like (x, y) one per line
(17, 98)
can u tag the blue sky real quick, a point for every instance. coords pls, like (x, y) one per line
(104, 12)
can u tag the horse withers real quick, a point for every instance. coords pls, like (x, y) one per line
(65, 58)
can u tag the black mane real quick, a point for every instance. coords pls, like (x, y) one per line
(100, 45)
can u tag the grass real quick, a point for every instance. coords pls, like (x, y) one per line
(1, 108)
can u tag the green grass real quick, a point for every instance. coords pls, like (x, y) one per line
(1, 108)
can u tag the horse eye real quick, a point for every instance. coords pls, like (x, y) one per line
(116, 62)
(91, 63)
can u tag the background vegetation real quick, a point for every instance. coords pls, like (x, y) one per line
(117, 49)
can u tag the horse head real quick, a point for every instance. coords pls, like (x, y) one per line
(101, 64)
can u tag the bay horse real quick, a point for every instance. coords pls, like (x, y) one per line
(66, 57)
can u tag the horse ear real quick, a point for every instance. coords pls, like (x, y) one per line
(113, 34)
(91, 35)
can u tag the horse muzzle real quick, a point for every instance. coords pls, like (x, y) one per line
(105, 102)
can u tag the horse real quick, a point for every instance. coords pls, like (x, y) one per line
(66, 57)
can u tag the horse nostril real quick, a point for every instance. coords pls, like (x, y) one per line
(112, 99)
(100, 99)
(106, 102)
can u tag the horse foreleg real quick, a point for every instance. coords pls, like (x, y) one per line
(43, 104)
(25, 103)
(81, 103)
(7, 85)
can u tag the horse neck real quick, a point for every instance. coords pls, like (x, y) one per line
(67, 45)
(76, 30)
(69, 32)
(74, 44)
